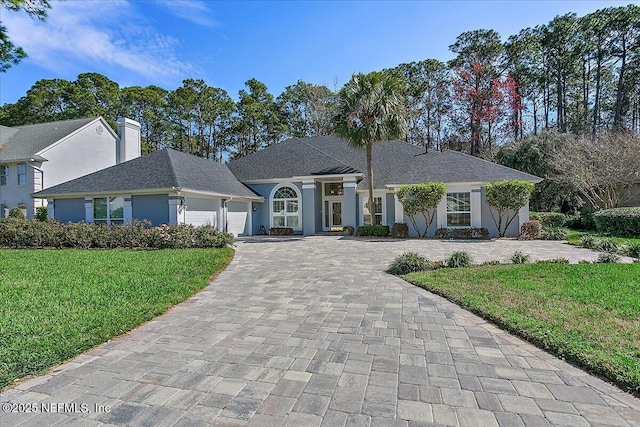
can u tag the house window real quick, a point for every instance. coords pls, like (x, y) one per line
(108, 210)
(334, 189)
(22, 174)
(377, 208)
(458, 209)
(4, 175)
(285, 208)
(4, 210)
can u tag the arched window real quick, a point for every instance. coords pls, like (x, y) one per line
(285, 207)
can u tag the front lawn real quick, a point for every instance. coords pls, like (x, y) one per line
(574, 236)
(56, 304)
(586, 313)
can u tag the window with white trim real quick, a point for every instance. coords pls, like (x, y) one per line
(22, 174)
(459, 209)
(377, 211)
(108, 210)
(285, 208)
(4, 175)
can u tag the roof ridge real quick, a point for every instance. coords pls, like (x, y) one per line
(323, 152)
(56, 121)
(174, 178)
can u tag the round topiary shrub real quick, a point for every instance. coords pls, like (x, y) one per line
(409, 262)
(459, 259)
(530, 230)
(399, 230)
(624, 222)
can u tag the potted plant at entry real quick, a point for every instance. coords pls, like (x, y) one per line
(348, 230)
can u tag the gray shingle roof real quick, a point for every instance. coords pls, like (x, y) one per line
(394, 162)
(23, 142)
(159, 170)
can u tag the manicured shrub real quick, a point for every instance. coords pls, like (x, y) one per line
(520, 257)
(583, 220)
(400, 230)
(41, 213)
(471, 233)
(608, 246)
(373, 230)
(553, 234)
(607, 257)
(459, 259)
(633, 250)
(589, 242)
(409, 262)
(17, 233)
(618, 222)
(530, 230)
(16, 213)
(280, 231)
(549, 219)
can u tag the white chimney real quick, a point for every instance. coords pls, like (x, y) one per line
(128, 140)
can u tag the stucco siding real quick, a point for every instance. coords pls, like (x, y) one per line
(488, 222)
(69, 210)
(14, 194)
(154, 208)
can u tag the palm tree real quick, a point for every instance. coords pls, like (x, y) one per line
(370, 110)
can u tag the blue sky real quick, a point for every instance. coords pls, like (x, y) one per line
(226, 43)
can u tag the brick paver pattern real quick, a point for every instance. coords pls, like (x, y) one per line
(313, 332)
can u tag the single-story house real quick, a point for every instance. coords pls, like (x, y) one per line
(311, 185)
(164, 187)
(315, 184)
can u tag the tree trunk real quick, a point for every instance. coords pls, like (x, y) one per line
(370, 202)
(617, 118)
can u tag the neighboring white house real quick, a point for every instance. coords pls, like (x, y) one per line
(39, 156)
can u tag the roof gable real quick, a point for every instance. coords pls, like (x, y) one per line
(24, 142)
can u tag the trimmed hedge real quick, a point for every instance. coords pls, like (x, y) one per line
(281, 231)
(373, 230)
(17, 233)
(400, 230)
(549, 219)
(462, 233)
(622, 222)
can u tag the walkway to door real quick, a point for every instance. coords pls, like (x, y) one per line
(310, 332)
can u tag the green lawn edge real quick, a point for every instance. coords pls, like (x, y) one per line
(58, 304)
(618, 366)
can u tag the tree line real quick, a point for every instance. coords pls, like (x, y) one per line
(574, 75)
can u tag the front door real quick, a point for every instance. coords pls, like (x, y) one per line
(336, 214)
(332, 214)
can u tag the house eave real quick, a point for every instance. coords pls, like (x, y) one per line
(187, 191)
(75, 195)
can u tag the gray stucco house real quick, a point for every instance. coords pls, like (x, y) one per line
(35, 157)
(311, 185)
(315, 184)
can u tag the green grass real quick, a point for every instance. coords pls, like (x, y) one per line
(586, 313)
(56, 304)
(574, 236)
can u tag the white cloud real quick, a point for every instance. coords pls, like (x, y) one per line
(97, 36)
(191, 10)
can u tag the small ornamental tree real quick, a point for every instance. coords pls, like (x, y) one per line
(506, 198)
(421, 199)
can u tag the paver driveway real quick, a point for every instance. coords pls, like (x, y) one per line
(311, 331)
